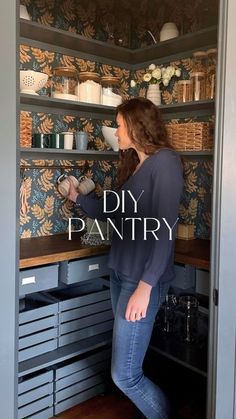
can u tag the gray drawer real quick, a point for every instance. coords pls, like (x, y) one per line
(38, 328)
(85, 333)
(83, 269)
(68, 368)
(35, 396)
(38, 279)
(84, 322)
(79, 398)
(78, 387)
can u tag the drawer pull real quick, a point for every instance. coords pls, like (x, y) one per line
(28, 280)
(93, 267)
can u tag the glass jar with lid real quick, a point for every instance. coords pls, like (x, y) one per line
(90, 87)
(185, 91)
(199, 85)
(199, 61)
(64, 83)
(111, 91)
(211, 73)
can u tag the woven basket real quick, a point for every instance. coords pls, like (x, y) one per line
(25, 130)
(191, 136)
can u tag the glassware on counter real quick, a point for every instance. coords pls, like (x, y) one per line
(211, 73)
(168, 313)
(199, 85)
(64, 83)
(188, 306)
(89, 87)
(185, 91)
(111, 91)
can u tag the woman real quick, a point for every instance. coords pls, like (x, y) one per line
(150, 183)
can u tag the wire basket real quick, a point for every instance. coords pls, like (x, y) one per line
(191, 136)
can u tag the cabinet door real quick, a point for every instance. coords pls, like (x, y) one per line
(222, 344)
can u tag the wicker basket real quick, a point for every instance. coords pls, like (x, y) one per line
(25, 130)
(191, 136)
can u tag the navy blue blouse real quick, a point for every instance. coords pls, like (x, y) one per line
(145, 219)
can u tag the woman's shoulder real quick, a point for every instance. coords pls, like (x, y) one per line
(166, 155)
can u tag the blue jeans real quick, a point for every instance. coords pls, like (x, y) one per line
(129, 346)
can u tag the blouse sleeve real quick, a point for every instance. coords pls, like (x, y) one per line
(94, 207)
(167, 186)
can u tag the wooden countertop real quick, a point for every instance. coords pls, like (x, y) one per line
(50, 249)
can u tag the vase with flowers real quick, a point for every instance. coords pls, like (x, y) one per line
(156, 75)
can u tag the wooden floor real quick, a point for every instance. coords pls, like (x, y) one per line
(109, 406)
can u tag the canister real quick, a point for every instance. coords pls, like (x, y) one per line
(90, 87)
(64, 83)
(111, 91)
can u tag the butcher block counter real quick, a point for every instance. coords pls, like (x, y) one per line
(50, 249)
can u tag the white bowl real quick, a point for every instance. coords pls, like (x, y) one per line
(24, 12)
(110, 138)
(32, 81)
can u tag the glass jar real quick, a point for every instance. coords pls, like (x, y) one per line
(90, 87)
(188, 307)
(168, 313)
(111, 91)
(211, 73)
(199, 85)
(199, 61)
(185, 91)
(64, 83)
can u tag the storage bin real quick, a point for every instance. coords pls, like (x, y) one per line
(38, 279)
(191, 136)
(38, 326)
(76, 381)
(64, 83)
(35, 396)
(84, 311)
(82, 269)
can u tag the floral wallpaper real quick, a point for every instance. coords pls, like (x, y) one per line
(43, 210)
(123, 23)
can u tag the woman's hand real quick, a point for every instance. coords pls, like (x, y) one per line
(138, 303)
(73, 193)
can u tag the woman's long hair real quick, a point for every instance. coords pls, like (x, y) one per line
(145, 128)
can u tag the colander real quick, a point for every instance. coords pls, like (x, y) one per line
(31, 81)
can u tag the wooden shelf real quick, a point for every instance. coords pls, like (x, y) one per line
(68, 43)
(58, 154)
(33, 103)
(50, 249)
(62, 354)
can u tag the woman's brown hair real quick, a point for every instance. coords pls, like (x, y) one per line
(145, 128)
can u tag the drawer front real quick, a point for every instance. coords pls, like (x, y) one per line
(29, 384)
(38, 313)
(85, 322)
(38, 325)
(82, 364)
(44, 414)
(84, 300)
(36, 394)
(74, 314)
(36, 338)
(78, 387)
(83, 269)
(82, 375)
(35, 407)
(85, 333)
(36, 350)
(79, 398)
(38, 279)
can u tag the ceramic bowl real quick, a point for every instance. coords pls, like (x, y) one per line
(24, 12)
(110, 138)
(168, 31)
(32, 81)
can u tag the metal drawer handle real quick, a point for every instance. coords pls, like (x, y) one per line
(93, 267)
(28, 280)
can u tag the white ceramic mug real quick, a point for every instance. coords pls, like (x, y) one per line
(68, 140)
(86, 185)
(64, 184)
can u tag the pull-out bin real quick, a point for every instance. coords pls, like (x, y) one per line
(84, 311)
(76, 381)
(83, 269)
(35, 396)
(38, 279)
(38, 326)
